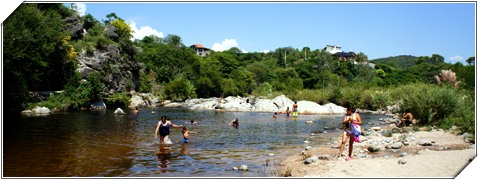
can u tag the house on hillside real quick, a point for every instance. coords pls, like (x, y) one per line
(332, 49)
(200, 49)
(346, 56)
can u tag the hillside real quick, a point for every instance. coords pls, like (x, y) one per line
(402, 61)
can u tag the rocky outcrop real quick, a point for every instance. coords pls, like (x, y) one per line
(143, 100)
(117, 71)
(74, 27)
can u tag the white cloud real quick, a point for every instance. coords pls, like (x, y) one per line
(80, 8)
(456, 58)
(265, 51)
(144, 31)
(225, 45)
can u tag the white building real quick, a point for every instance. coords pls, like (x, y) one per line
(333, 49)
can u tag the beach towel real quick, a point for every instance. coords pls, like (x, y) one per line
(356, 130)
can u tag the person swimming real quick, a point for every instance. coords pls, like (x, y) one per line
(234, 123)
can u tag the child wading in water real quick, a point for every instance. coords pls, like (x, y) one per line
(186, 133)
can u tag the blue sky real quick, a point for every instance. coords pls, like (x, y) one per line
(377, 29)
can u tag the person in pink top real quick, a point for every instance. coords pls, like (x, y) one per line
(350, 119)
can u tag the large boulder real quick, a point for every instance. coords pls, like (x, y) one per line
(98, 105)
(137, 101)
(282, 102)
(336, 109)
(41, 110)
(308, 107)
(143, 100)
(236, 104)
(265, 105)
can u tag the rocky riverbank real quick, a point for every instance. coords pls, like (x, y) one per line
(387, 152)
(253, 104)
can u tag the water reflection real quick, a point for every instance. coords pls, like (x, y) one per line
(164, 154)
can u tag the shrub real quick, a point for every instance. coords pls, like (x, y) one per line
(118, 100)
(318, 96)
(380, 99)
(263, 89)
(179, 89)
(428, 103)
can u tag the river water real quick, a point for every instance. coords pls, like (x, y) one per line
(101, 144)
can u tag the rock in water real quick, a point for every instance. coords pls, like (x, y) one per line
(41, 110)
(119, 111)
(308, 147)
(243, 167)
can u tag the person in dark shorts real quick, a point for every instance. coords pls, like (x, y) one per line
(407, 119)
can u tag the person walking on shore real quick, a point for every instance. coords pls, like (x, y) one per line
(350, 119)
(163, 129)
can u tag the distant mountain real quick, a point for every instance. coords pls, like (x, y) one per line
(402, 61)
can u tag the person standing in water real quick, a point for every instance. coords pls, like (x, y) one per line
(350, 119)
(287, 111)
(186, 133)
(163, 129)
(295, 113)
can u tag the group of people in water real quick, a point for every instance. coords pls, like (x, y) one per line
(288, 112)
(350, 124)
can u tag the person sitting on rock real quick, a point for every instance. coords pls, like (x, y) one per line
(407, 119)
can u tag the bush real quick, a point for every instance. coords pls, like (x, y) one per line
(118, 100)
(428, 103)
(380, 99)
(179, 89)
(318, 96)
(263, 89)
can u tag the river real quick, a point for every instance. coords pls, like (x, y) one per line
(101, 144)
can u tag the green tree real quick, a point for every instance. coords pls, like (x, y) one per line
(173, 40)
(471, 60)
(36, 50)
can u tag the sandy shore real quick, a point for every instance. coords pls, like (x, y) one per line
(448, 155)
